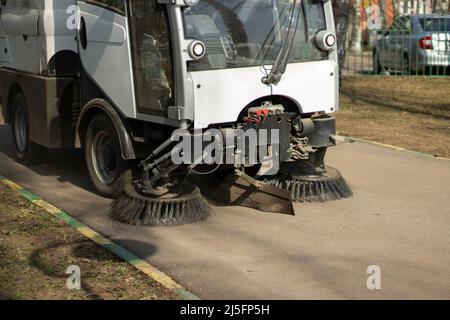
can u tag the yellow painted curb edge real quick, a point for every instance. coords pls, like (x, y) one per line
(119, 251)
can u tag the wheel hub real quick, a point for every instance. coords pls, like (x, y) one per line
(104, 155)
(20, 128)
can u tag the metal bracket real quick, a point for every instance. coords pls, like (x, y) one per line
(263, 187)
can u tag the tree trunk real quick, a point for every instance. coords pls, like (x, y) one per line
(356, 32)
(341, 15)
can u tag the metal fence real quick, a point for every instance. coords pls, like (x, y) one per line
(399, 37)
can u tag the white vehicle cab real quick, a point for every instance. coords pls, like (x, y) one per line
(120, 77)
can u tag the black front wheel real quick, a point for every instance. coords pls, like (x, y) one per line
(108, 170)
(406, 68)
(377, 68)
(27, 151)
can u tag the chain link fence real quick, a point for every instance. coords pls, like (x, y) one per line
(399, 37)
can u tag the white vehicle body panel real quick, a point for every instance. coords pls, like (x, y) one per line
(221, 95)
(20, 25)
(107, 57)
(312, 85)
(57, 30)
(31, 34)
(20, 21)
(214, 105)
(5, 59)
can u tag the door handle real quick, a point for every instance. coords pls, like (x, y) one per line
(83, 35)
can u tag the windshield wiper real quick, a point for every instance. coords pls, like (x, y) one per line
(280, 65)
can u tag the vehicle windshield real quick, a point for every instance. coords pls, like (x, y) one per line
(242, 33)
(435, 24)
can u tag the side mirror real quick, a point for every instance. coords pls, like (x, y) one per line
(325, 40)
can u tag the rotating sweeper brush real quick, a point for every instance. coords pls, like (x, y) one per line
(161, 197)
(310, 180)
(320, 186)
(181, 206)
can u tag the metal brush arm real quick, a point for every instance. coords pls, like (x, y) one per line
(263, 187)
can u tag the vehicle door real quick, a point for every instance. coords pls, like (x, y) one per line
(394, 42)
(402, 43)
(19, 36)
(385, 47)
(151, 58)
(104, 50)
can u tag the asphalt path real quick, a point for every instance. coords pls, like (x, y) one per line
(398, 220)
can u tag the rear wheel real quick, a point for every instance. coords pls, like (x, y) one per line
(377, 69)
(108, 170)
(405, 66)
(27, 152)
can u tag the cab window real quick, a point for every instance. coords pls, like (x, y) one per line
(152, 58)
(114, 5)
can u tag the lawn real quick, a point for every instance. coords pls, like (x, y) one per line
(409, 112)
(36, 249)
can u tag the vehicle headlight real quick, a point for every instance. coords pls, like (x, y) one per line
(197, 50)
(326, 40)
(191, 3)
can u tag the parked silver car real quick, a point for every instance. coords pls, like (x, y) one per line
(414, 44)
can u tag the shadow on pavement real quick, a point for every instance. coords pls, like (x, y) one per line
(51, 261)
(67, 165)
(145, 249)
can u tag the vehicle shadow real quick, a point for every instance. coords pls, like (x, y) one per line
(54, 269)
(66, 165)
(396, 106)
(52, 260)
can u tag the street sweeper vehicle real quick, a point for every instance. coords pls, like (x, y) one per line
(172, 100)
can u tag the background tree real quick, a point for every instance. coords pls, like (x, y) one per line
(356, 38)
(342, 12)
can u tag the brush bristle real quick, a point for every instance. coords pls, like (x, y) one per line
(134, 209)
(313, 189)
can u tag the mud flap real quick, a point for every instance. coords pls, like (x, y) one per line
(242, 190)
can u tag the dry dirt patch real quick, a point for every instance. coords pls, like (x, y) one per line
(412, 113)
(36, 249)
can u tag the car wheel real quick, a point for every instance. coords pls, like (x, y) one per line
(377, 69)
(108, 171)
(27, 152)
(406, 70)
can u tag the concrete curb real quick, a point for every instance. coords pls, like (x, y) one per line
(344, 139)
(119, 251)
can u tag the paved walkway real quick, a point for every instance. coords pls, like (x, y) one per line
(399, 220)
